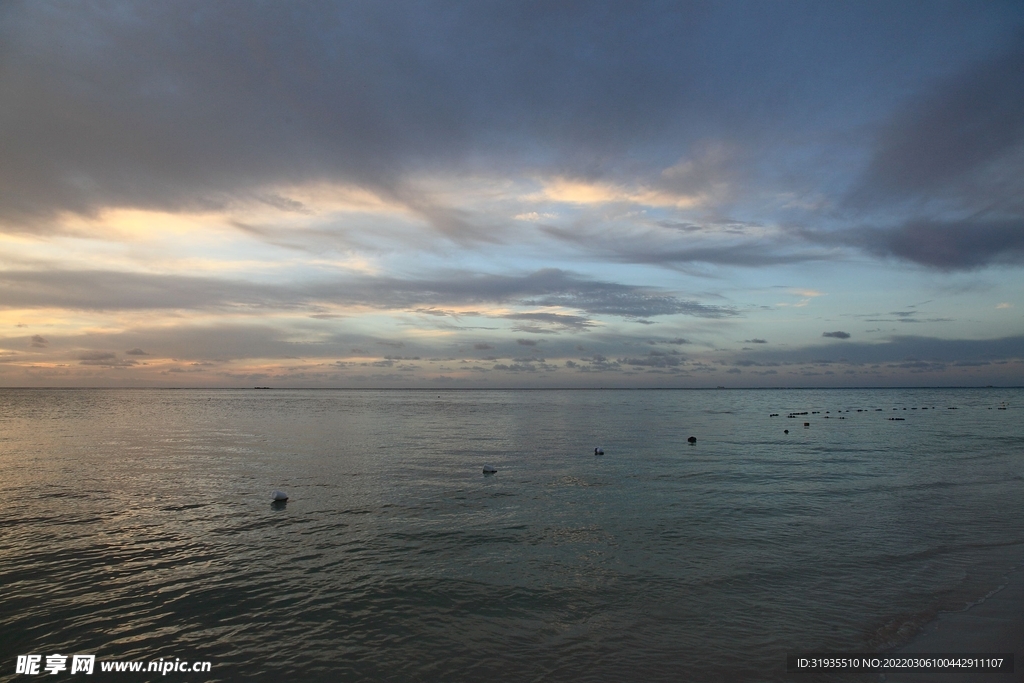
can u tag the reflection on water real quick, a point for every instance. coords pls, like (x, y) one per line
(139, 525)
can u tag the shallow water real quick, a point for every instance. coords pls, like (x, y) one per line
(138, 526)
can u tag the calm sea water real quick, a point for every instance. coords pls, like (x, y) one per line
(137, 524)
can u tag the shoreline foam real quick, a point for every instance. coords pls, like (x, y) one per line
(994, 624)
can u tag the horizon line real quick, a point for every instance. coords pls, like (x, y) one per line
(717, 388)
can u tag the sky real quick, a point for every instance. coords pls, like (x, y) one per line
(511, 194)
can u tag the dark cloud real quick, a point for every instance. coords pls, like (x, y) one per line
(746, 363)
(908, 317)
(838, 334)
(952, 162)
(755, 341)
(526, 342)
(952, 245)
(97, 355)
(547, 287)
(220, 343)
(38, 342)
(136, 352)
(655, 359)
(613, 299)
(962, 126)
(439, 312)
(941, 244)
(189, 104)
(516, 367)
(897, 349)
(104, 359)
(481, 346)
(557, 321)
(177, 105)
(105, 290)
(750, 253)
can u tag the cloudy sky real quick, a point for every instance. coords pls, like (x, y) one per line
(505, 194)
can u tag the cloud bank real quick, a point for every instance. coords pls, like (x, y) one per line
(508, 192)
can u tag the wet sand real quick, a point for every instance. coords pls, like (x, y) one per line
(995, 625)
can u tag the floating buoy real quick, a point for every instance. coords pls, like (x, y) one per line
(807, 424)
(598, 451)
(692, 439)
(279, 496)
(786, 431)
(490, 470)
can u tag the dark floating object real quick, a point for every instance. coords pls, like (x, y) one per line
(598, 451)
(807, 424)
(786, 431)
(951, 408)
(692, 439)
(279, 496)
(898, 419)
(489, 470)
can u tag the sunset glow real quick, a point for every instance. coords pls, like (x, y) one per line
(502, 195)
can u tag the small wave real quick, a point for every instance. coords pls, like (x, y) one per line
(899, 629)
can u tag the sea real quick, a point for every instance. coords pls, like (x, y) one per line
(138, 525)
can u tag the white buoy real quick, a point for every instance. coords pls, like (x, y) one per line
(598, 451)
(279, 496)
(489, 470)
